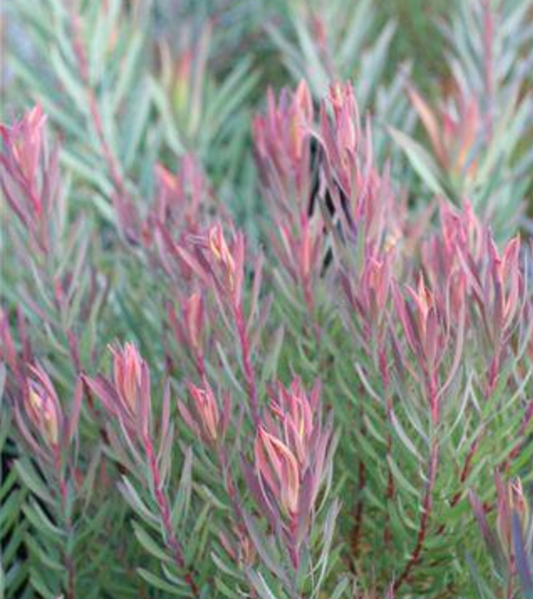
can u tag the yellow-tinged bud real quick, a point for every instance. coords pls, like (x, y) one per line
(44, 415)
(128, 373)
(220, 251)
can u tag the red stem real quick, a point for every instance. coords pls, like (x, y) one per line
(247, 364)
(166, 518)
(389, 493)
(423, 528)
(467, 466)
(67, 557)
(359, 506)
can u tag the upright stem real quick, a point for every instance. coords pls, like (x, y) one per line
(67, 521)
(166, 518)
(426, 511)
(360, 504)
(467, 466)
(389, 493)
(229, 483)
(247, 365)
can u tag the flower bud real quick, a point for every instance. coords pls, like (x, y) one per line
(193, 310)
(291, 450)
(43, 410)
(202, 414)
(220, 251)
(24, 144)
(282, 143)
(279, 470)
(207, 409)
(344, 109)
(127, 375)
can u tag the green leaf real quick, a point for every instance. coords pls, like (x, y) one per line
(149, 544)
(42, 523)
(159, 583)
(40, 586)
(260, 585)
(133, 498)
(135, 123)
(31, 479)
(263, 546)
(420, 160)
(401, 479)
(182, 501)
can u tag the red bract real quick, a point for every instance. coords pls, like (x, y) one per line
(296, 412)
(428, 333)
(300, 251)
(203, 415)
(283, 151)
(28, 175)
(279, 471)
(217, 264)
(292, 458)
(127, 397)
(341, 137)
(368, 295)
(225, 264)
(43, 410)
(496, 285)
(460, 233)
(189, 329)
(502, 285)
(23, 147)
(362, 196)
(193, 319)
(346, 132)
(40, 417)
(219, 267)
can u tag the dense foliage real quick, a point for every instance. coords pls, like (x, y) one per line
(267, 302)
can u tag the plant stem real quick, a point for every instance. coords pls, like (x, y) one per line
(426, 511)
(247, 364)
(389, 493)
(67, 521)
(166, 519)
(359, 506)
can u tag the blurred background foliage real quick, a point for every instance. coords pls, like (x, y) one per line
(171, 76)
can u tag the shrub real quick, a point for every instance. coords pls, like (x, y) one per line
(333, 399)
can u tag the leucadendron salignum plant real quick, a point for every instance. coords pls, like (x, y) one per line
(336, 401)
